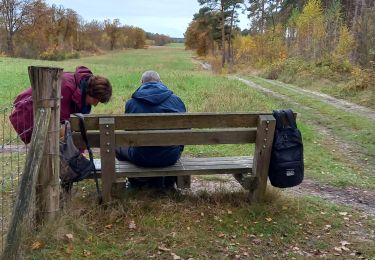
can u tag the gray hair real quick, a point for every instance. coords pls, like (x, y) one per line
(150, 76)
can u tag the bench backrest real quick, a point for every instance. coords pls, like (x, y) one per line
(171, 128)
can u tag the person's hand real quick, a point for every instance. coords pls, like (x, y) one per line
(62, 133)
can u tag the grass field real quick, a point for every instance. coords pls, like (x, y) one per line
(220, 225)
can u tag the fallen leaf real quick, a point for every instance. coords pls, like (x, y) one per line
(132, 225)
(86, 253)
(257, 241)
(175, 257)
(69, 249)
(338, 249)
(345, 248)
(343, 213)
(344, 243)
(69, 237)
(269, 219)
(327, 227)
(163, 248)
(109, 226)
(229, 212)
(36, 245)
(221, 235)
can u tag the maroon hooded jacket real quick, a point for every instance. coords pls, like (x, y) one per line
(71, 102)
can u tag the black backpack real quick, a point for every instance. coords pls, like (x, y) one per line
(286, 165)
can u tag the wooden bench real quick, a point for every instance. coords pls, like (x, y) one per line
(108, 132)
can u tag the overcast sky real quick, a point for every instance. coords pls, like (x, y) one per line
(170, 17)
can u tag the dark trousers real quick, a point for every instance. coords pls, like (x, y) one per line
(122, 154)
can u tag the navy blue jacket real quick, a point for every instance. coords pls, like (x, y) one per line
(154, 97)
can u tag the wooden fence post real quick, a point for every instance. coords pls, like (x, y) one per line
(27, 184)
(45, 82)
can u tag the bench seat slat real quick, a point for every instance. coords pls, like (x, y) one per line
(197, 162)
(209, 166)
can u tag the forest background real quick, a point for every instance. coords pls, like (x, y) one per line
(33, 29)
(327, 45)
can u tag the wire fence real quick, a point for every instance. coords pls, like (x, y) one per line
(12, 160)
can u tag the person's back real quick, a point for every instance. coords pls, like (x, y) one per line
(153, 97)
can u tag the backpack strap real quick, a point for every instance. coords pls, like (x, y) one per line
(82, 129)
(290, 116)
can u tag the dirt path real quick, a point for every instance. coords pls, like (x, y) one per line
(338, 103)
(353, 153)
(354, 197)
(350, 196)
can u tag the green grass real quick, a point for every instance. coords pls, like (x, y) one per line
(322, 161)
(220, 225)
(176, 45)
(204, 92)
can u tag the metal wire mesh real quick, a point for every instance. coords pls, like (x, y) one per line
(12, 159)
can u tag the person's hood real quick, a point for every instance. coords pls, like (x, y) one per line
(82, 73)
(152, 92)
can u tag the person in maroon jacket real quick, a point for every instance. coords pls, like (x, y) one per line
(79, 91)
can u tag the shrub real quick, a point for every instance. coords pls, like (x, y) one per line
(273, 71)
(361, 79)
(53, 53)
(56, 53)
(73, 55)
(215, 62)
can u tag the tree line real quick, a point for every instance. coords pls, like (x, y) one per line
(336, 31)
(33, 29)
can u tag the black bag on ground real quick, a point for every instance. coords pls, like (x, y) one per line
(286, 165)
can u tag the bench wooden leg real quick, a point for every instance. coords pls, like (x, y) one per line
(184, 182)
(262, 156)
(107, 154)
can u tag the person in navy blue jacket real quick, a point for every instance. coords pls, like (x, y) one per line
(152, 97)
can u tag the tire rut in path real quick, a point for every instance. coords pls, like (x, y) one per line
(338, 103)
